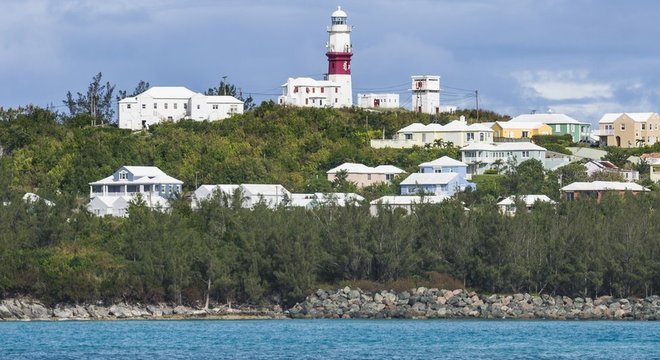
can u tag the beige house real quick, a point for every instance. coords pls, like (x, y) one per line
(653, 159)
(363, 175)
(629, 129)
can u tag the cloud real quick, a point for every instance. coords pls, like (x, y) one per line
(562, 85)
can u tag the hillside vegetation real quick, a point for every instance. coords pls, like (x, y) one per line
(64, 254)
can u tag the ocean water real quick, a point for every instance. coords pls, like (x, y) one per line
(330, 339)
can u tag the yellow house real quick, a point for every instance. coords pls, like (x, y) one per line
(520, 130)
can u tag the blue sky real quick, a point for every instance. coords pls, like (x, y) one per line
(579, 57)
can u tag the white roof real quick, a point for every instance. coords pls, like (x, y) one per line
(222, 99)
(264, 189)
(357, 168)
(414, 127)
(637, 117)
(144, 175)
(429, 178)
(549, 118)
(519, 125)
(504, 146)
(527, 199)
(410, 200)
(387, 169)
(604, 185)
(339, 12)
(444, 161)
(307, 81)
(169, 92)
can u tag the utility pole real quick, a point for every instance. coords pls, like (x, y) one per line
(476, 97)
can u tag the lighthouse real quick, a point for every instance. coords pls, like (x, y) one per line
(339, 53)
(336, 89)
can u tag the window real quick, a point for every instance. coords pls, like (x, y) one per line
(408, 136)
(389, 177)
(144, 106)
(306, 101)
(437, 171)
(525, 134)
(155, 106)
(123, 175)
(623, 127)
(643, 125)
(336, 90)
(368, 176)
(185, 106)
(215, 106)
(525, 154)
(197, 106)
(175, 106)
(335, 100)
(469, 136)
(233, 109)
(313, 90)
(557, 128)
(128, 106)
(165, 106)
(322, 90)
(481, 136)
(295, 89)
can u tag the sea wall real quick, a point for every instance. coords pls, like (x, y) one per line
(29, 309)
(423, 303)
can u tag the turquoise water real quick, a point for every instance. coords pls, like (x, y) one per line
(335, 339)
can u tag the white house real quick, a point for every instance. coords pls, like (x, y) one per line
(310, 201)
(507, 206)
(272, 195)
(112, 195)
(307, 92)
(458, 132)
(594, 166)
(172, 103)
(407, 203)
(378, 101)
(481, 157)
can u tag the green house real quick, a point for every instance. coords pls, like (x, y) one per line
(560, 123)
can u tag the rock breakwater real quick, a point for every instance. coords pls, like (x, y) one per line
(28, 309)
(423, 303)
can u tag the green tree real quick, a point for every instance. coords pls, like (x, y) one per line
(97, 101)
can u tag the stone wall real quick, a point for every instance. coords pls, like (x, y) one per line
(423, 303)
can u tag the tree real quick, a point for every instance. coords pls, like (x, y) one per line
(571, 173)
(616, 156)
(141, 87)
(225, 88)
(97, 101)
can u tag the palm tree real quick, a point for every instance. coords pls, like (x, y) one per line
(497, 164)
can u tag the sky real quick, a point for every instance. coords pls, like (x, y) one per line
(579, 57)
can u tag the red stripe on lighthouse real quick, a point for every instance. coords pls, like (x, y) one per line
(339, 63)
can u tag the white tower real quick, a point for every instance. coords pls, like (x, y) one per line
(339, 55)
(426, 94)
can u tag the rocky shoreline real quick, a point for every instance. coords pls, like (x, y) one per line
(423, 303)
(28, 309)
(420, 303)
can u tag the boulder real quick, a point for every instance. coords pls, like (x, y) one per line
(353, 294)
(62, 313)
